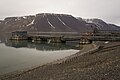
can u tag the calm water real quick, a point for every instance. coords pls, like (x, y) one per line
(17, 55)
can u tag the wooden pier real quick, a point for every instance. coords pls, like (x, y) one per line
(62, 37)
(19, 35)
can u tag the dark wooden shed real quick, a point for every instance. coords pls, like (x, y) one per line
(19, 35)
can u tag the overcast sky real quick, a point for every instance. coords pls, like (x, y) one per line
(108, 10)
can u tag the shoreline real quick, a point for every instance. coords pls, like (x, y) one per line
(18, 72)
(61, 61)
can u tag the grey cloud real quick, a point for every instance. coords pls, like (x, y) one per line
(105, 9)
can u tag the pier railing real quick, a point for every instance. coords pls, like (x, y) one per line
(73, 36)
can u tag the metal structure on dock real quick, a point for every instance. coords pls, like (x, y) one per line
(19, 35)
(62, 37)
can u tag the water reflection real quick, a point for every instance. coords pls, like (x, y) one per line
(40, 45)
(18, 55)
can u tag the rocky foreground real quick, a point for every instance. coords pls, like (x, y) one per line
(101, 64)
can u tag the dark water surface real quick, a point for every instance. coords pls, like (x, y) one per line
(17, 55)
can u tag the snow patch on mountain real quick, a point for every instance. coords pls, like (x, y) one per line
(63, 22)
(31, 23)
(88, 20)
(24, 17)
(19, 18)
(50, 24)
(6, 22)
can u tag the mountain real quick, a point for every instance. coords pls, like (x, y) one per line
(44, 22)
(49, 22)
(101, 25)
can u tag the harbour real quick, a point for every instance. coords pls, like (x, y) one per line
(18, 55)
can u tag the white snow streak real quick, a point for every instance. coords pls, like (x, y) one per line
(89, 20)
(50, 23)
(18, 18)
(5, 22)
(63, 22)
(44, 14)
(99, 26)
(24, 17)
(31, 23)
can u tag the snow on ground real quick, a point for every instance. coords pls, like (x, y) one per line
(50, 24)
(98, 26)
(24, 17)
(63, 22)
(31, 23)
(19, 18)
(5, 22)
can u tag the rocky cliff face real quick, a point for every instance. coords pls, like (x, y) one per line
(101, 25)
(15, 23)
(46, 22)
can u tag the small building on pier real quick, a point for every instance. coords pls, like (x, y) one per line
(19, 35)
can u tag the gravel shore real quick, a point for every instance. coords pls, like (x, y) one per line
(101, 64)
